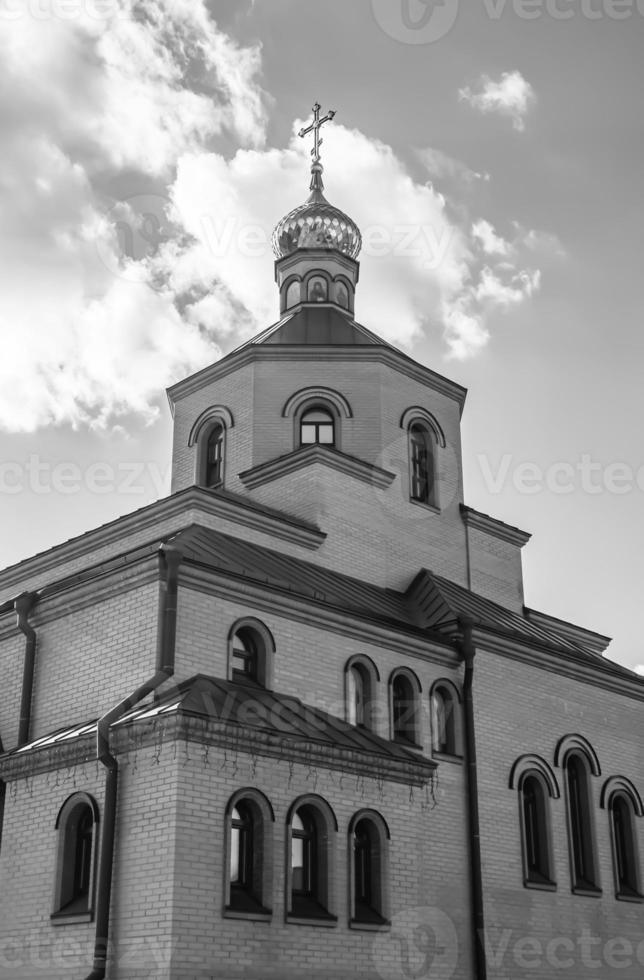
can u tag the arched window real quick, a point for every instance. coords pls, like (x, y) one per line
(356, 696)
(310, 853)
(317, 425)
(342, 295)
(625, 851)
(361, 680)
(2, 800)
(248, 816)
(404, 709)
(250, 653)
(580, 825)
(214, 462)
(76, 857)
(422, 464)
(537, 858)
(317, 290)
(293, 294)
(368, 840)
(445, 720)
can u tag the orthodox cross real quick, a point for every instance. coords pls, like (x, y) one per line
(314, 128)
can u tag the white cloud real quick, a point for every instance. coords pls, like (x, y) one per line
(442, 166)
(510, 96)
(491, 243)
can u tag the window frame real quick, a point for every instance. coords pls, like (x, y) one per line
(429, 496)
(582, 848)
(541, 878)
(370, 678)
(69, 907)
(411, 736)
(252, 898)
(322, 409)
(314, 906)
(374, 915)
(446, 690)
(626, 891)
(263, 654)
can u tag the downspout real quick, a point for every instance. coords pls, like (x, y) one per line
(23, 605)
(169, 561)
(476, 874)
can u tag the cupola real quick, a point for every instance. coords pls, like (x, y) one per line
(316, 245)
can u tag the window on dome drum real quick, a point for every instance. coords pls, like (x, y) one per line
(317, 290)
(367, 873)
(404, 709)
(245, 656)
(342, 296)
(536, 844)
(75, 868)
(317, 425)
(293, 295)
(307, 873)
(625, 855)
(444, 718)
(421, 460)
(214, 468)
(580, 828)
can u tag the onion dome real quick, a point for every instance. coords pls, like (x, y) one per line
(316, 224)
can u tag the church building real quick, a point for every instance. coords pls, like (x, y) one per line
(296, 719)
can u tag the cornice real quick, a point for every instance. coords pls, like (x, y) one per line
(368, 354)
(493, 527)
(152, 517)
(210, 732)
(275, 469)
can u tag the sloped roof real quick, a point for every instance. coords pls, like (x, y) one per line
(322, 325)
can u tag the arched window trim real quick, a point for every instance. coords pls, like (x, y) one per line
(418, 414)
(534, 763)
(625, 890)
(326, 827)
(316, 274)
(413, 712)
(305, 397)
(620, 784)
(455, 751)
(66, 862)
(581, 839)
(348, 285)
(211, 415)
(265, 644)
(575, 742)
(258, 904)
(543, 878)
(216, 415)
(380, 873)
(372, 674)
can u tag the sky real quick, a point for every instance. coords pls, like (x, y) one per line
(491, 153)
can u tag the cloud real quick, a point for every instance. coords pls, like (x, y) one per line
(491, 243)
(94, 101)
(511, 96)
(441, 166)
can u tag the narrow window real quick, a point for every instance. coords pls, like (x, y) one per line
(535, 832)
(421, 452)
(342, 296)
(356, 695)
(317, 426)
(624, 848)
(581, 833)
(242, 859)
(403, 709)
(74, 883)
(293, 295)
(214, 470)
(245, 656)
(444, 721)
(317, 290)
(368, 844)
(304, 864)
(2, 800)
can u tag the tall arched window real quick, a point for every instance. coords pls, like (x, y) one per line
(214, 453)
(445, 720)
(248, 817)
(250, 653)
(582, 846)
(404, 709)
(311, 825)
(625, 851)
(356, 691)
(76, 857)
(317, 290)
(293, 294)
(317, 425)
(537, 859)
(245, 656)
(368, 841)
(421, 464)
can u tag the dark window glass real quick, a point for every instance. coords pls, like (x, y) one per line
(215, 457)
(77, 860)
(624, 843)
(245, 655)
(535, 829)
(356, 691)
(581, 841)
(404, 708)
(241, 848)
(444, 721)
(366, 873)
(303, 854)
(317, 426)
(422, 464)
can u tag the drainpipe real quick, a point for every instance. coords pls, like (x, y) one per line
(476, 875)
(23, 605)
(169, 561)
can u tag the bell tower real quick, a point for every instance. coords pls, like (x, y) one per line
(316, 245)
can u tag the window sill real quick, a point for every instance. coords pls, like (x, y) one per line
(629, 897)
(407, 743)
(384, 926)
(541, 886)
(430, 507)
(71, 919)
(448, 757)
(587, 891)
(266, 916)
(328, 921)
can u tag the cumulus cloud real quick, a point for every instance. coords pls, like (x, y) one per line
(491, 243)
(511, 96)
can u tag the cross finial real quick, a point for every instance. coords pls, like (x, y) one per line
(316, 125)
